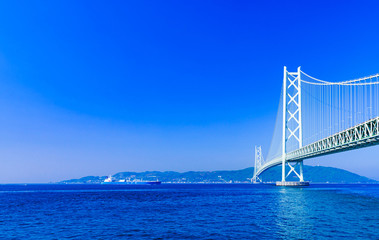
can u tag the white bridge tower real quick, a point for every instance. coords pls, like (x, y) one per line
(258, 163)
(292, 122)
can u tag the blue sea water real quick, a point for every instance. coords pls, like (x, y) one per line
(189, 211)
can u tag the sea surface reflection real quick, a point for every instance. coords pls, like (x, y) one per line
(189, 211)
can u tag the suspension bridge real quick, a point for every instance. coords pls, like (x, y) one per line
(317, 117)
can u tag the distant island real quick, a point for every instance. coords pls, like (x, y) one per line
(315, 174)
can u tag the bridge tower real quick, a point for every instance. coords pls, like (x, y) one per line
(258, 163)
(292, 121)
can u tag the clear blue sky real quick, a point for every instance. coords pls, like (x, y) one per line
(98, 87)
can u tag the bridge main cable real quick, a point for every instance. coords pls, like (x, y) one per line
(346, 83)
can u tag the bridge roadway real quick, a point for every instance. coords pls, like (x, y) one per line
(362, 135)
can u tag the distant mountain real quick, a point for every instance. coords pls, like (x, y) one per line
(313, 174)
(318, 174)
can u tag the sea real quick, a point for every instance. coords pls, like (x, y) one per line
(189, 211)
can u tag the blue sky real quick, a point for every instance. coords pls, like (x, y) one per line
(98, 87)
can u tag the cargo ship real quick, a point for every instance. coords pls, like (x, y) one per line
(111, 180)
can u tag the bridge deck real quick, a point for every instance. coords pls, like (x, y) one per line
(362, 135)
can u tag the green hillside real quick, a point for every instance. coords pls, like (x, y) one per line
(313, 174)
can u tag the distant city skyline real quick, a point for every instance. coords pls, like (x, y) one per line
(96, 88)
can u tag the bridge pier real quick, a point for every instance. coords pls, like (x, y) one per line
(301, 172)
(292, 184)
